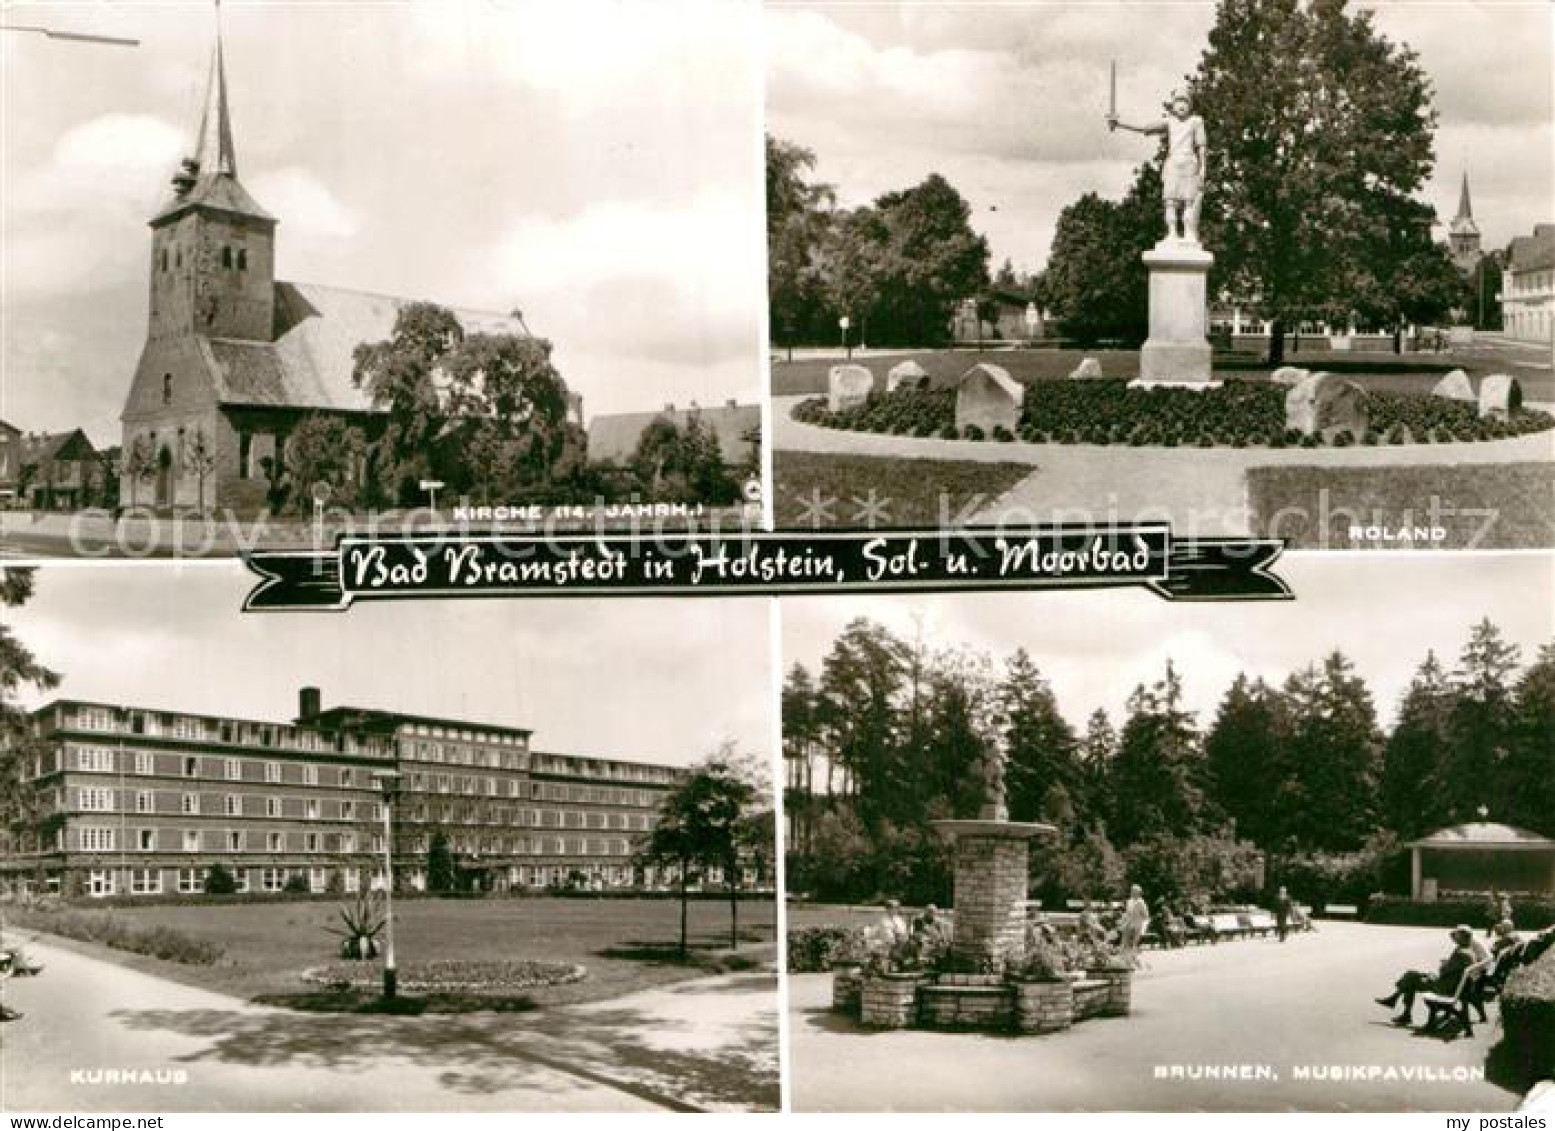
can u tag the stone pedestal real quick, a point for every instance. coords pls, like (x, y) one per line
(990, 887)
(1177, 352)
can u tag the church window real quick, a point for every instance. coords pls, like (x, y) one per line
(164, 259)
(242, 259)
(246, 454)
(226, 258)
(167, 388)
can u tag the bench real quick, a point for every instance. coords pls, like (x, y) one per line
(1340, 911)
(1448, 1014)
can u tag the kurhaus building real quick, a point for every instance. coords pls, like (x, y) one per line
(133, 801)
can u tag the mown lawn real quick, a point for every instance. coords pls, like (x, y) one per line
(1405, 373)
(910, 492)
(1498, 506)
(626, 944)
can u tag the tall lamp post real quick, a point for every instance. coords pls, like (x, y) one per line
(389, 782)
(842, 324)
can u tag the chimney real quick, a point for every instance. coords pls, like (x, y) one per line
(730, 403)
(669, 406)
(307, 704)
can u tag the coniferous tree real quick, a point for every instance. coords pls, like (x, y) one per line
(1038, 743)
(1414, 796)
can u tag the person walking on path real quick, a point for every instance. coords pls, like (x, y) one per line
(1282, 913)
(1136, 917)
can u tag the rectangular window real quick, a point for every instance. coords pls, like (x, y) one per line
(191, 840)
(93, 800)
(190, 803)
(275, 842)
(310, 842)
(94, 759)
(318, 880)
(145, 762)
(145, 801)
(97, 838)
(145, 881)
(310, 775)
(347, 810)
(347, 842)
(99, 882)
(191, 881)
(234, 770)
(146, 840)
(232, 805)
(272, 772)
(272, 807)
(234, 841)
(311, 809)
(272, 879)
(191, 767)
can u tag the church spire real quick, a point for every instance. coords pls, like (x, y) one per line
(214, 151)
(1465, 209)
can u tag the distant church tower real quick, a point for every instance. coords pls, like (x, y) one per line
(1463, 233)
(212, 246)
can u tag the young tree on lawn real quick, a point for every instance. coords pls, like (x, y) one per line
(1320, 131)
(200, 458)
(699, 824)
(20, 813)
(140, 464)
(441, 873)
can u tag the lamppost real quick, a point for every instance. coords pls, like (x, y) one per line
(842, 324)
(389, 783)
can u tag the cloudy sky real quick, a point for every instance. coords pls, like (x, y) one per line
(1007, 101)
(594, 164)
(662, 680)
(1384, 611)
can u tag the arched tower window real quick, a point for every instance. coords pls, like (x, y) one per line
(242, 259)
(226, 258)
(167, 388)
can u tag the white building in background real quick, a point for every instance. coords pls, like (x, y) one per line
(1528, 286)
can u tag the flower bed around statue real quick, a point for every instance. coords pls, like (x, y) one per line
(911, 979)
(1236, 414)
(450, 976)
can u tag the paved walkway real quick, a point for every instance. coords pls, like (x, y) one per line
(1201, 491)
(710, 1043)
(1257, 1003)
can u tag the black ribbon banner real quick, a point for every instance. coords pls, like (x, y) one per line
(755, 563)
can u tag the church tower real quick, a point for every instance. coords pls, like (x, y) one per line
(1463, 233)
(212, 246)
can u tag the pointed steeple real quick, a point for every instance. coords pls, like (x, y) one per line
(1465, 208)
(210, 176)
(214, 151)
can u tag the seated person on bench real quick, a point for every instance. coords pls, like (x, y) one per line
(1444, 981)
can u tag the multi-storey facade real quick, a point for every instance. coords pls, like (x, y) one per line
(133, 801)
(1528, 286)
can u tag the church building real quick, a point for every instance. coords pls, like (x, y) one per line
(234, 358)
(1463, 234)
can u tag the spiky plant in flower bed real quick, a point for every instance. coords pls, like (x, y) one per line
(363, 921)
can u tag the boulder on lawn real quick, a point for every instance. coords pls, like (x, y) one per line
(988, 397)
(848, 386)
(1499, 396)
(1455, 387)
(1087, 370)
(1326, 405)
(908, 373)
(1289, 375)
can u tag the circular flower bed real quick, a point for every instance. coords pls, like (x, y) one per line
(449, 976)
(1237, 414)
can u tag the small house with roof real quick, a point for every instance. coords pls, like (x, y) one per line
(1481, 856)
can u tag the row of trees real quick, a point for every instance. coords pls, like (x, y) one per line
(895, 268)
(1282, 781)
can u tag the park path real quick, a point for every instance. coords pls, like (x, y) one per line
(642, 1052)
(1202, 492)
(1255, 1002)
